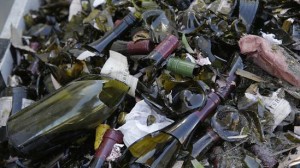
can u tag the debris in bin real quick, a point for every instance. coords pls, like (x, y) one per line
(291, 160)
(249, 75)
(147, 150)
(174, 65)
(264, 154)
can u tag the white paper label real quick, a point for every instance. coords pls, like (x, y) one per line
(178, 164)
(55, 83)
(98, 3)
(5, 109)
(75, 8)
(26, 102)
(116, 67)
(297, 130)
(280, 108)
(136, 126)
(84, 55)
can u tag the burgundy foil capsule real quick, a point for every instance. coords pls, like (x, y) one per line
(117, 22)
(163, 50)
(167, 46)
(110, 138)
(35, 46)
(140, 47)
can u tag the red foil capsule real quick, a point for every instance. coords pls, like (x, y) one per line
(117, 22)
(164, 50)
(167, 46)
(140, 47)
(110, 138)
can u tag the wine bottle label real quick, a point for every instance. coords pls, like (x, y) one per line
(116, 67)
(280, 108)
(5, 109)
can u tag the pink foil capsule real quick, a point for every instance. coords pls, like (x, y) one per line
(272, 58)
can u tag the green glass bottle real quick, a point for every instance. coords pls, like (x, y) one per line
(69, 112)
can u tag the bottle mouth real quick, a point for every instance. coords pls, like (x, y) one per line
(183, 100)
(130, 19)
(182, 67)
(230, 124)
(90, 48)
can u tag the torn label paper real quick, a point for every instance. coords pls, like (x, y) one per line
(5, 109)
(280, 108)
(116, 67)
(98, 3)
(26, 102)
(271, 38)
(84, 55)
(74, 9)
(136, 126)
